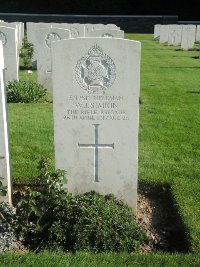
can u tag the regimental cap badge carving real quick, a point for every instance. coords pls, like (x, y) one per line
(3, 38)
(50, 38)
(95, 72)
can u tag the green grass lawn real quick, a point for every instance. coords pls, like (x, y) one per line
(23, 75)
(31, 138)
(169, 138)
(99, 260)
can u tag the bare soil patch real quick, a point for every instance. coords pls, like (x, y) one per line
(158, 215)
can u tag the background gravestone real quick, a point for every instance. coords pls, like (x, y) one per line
(45, 37)
(105, 27)
(178, 35)
(175, 32)
(76, 30)
(90, 27)
(96, 104)
(20, 27)
(105, 33)
(164, 31)
(9, 37)
(156, 34)
(31, 28)
(4, 146)
(188, 36)
(198, 33)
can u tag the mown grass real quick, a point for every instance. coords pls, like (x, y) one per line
(24, 75)
(98, 260)
(169, 139)
(31, 138)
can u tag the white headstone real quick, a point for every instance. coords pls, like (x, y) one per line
(188, 36)
(31, 28)
(198, 33)
(9, 37)
(88, 27)
(96, 84)
(18, 28)
(106, 33)
(4, 143)
(76, 30)
(164, 31)
(175, 33)
(45, 37)
(105, 27)
(156, 31)
(91, 27)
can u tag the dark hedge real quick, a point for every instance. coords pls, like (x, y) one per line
(186, 10)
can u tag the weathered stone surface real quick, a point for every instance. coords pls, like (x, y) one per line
(90, 27)
(20, 27)
(45, 37)
(105, 33)
(4, 142)
(156, 34)
(32, 28)
(9, 37)
(164, 31)
(175, 33)
(188, 36)
(198, 33)
(75, 29)
(96, 85)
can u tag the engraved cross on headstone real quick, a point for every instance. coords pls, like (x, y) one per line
(96, 146)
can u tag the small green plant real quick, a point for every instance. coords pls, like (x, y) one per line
(3, 189)
(25, 92)
(54, 219)
(26, 54)
(105, 224)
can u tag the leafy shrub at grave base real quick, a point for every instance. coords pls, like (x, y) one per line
(25, 92)
(105, 224)
(54, 219)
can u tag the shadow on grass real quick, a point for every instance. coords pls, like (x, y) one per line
(197, 57)
(180, 67)
(193, 92)
(189, 50)
(166, 218)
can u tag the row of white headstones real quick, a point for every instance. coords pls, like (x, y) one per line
(96, 84)
(174, 34)
(41, 35)
(11, 35)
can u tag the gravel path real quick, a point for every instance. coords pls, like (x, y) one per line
(8, 239)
